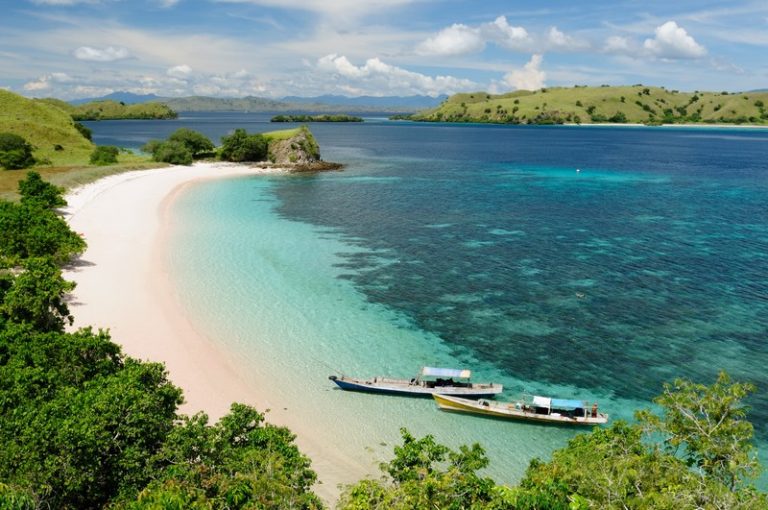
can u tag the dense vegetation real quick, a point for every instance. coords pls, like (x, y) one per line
(181, 148)
(104, 155)
(584, 105)
(113, 110)
(291, 147)
(316, 118)
(241, 146)
(15, 152)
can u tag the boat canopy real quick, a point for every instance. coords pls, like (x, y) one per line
(560, 403)
(446, 372)
(557, 403)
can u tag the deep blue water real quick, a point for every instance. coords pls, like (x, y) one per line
(596, 257)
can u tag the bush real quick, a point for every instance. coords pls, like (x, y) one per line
(197, 143)
(173, 152)
(104, 155)
(86, 132)
(240, 146)
(15, 152)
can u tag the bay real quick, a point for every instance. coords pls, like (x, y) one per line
(592, 262)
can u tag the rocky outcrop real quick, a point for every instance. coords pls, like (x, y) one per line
(299, 151)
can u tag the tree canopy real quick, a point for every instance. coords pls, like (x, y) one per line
(240, 146)
(197, 143)
(15, 152)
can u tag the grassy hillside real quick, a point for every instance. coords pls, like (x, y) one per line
(46, 127)
(113, 110)
(631, 104)
(62, 152)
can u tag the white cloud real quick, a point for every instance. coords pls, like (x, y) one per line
(530, 77)
(457, 39)
(39, 84)
(558, 40)
(47, 82)
(108, 54)
(617, 44)
(379, 78)
(673, 42)
(181, 72)
(501, 32)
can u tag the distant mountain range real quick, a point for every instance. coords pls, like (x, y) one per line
(120, 97)
(318, 104)
(385, 102)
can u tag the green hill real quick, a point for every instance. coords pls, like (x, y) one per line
(585, 105)
(113, 110)
(48, 128)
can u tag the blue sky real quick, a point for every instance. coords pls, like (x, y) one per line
(273, 48)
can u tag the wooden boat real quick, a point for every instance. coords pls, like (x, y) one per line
(539, 409)
(429, 381)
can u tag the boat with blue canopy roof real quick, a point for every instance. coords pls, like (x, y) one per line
(429, 381)
(535, 408)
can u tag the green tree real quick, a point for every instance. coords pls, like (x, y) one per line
(35, 190)
(425, 474)
(173, 152)
(29, 230)
(240, 146)
(238, 463)
(15, 152)
(707, 426)
(197, 143)
(104, 155)
(37, 296)
(86, 132)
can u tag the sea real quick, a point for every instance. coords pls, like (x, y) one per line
(586, 262)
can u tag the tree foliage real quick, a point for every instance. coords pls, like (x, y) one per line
(15, 152)
(425, 474)
(37, 296)
(173, 152)
(104, 155)
(240, 146)
(85, 131)
(32, 228)
(237, 463)
(707, 427)
(34, 190)
(197, 143)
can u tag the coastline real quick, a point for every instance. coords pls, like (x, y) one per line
(123, 285)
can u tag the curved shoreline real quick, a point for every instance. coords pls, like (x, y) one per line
(123, 285)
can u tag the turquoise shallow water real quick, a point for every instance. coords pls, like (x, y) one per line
(269, 290)
(482, 246)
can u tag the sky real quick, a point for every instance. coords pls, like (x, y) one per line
(274, 48)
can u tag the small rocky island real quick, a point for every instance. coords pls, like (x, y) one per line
(298, 150)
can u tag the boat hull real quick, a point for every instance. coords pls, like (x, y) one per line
(507, 410)
(405, 387)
